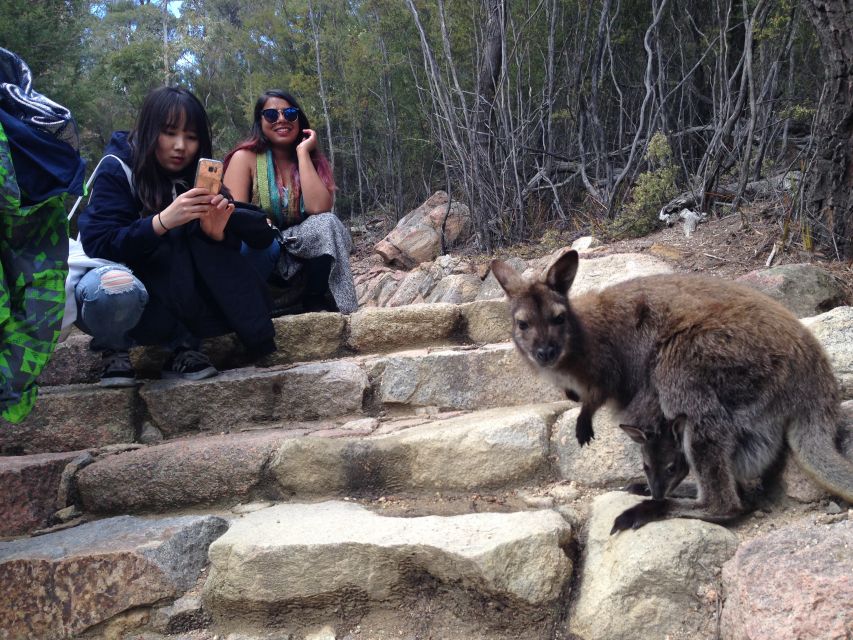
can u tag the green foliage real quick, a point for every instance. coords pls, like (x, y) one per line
(652, 190)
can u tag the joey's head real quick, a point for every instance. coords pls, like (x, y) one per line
(664, 461)
(542, 318)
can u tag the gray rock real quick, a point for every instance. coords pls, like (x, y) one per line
(456, 288)
(30, 489)
(834, 330)
(805, 289)
(308, 336)
(610, 460)
(792, 583)
(178, 473)
(72, 418)
(184, 614)
(492, 376)
(309, 554)
(487, 321)
(409, 289)
(150, 434)
(644, 584)
(72, 362)
(417, 236)
(60, 584)
(373, 329)
(598, 273)
(253, 398)
(484, 449)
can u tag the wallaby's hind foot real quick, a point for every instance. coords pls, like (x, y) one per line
(652, 510)
(640, 514)
(683, 490)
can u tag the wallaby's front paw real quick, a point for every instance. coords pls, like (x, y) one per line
(638, 515)
(583, 426)
(585, 437)
(624, 521)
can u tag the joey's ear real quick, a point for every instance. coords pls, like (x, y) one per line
(508, 278)
(560, 275)
(677, 427)
(635, 433)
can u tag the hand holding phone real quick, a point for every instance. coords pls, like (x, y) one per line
(208, 175)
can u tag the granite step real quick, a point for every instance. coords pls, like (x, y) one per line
(74, 417)
(476, 450)
(288, 567)
(312, 336)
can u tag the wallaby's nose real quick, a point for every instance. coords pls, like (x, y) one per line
(546, 354)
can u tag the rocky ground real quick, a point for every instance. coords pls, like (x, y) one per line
(400, 474)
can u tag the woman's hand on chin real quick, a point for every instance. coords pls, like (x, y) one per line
(213, 221)
(309, 143)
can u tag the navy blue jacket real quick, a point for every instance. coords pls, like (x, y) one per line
(205, 285)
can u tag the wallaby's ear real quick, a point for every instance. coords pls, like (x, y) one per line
(509, 278)
(677, 427)
(561, 273)
(635, 433)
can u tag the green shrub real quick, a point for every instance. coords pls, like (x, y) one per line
(653, 189)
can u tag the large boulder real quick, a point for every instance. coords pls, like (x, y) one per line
(834, 330)
(805, 289)
(659, 581)
(793, 583)
(57, 585)
(306, 555)
(31, 490)
(417, 236)
(611, 459)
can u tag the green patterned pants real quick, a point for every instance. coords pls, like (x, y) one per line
(33, 267)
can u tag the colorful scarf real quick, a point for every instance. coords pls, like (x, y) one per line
(271, 198)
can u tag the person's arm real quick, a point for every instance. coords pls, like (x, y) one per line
(110, 225)
(240, 175)
(316, 196)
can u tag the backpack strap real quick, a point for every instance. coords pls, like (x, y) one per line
(91, 179)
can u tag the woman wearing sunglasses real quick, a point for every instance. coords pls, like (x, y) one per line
(171, 272)
(281, 169)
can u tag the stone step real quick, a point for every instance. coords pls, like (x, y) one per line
(288, 567)
(332, 558)
(486, 449)
(63, 583)
(313, 336)
(77, 417)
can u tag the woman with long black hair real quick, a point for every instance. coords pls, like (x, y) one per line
(175, 274)
(281, 169)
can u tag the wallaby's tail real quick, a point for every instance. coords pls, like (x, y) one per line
(814, 448)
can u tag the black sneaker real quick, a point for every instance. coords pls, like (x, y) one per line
(117, 371)
(187, 364)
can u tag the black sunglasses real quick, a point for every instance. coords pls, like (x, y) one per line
(271, 115)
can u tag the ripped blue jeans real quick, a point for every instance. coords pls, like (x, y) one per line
(110, 302)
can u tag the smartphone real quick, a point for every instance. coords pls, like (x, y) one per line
(209, 175)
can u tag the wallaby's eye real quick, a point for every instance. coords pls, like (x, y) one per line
(670, 468)
(558, 320)
(645, 468)
(522, 325)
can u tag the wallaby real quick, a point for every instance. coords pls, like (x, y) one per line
(741, 372)
(664, 462)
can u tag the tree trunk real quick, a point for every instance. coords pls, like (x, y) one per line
(829, 201)
(489, 72)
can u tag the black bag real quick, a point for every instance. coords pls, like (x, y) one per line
(250, 224)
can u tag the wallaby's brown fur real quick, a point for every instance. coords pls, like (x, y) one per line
(739, 369)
